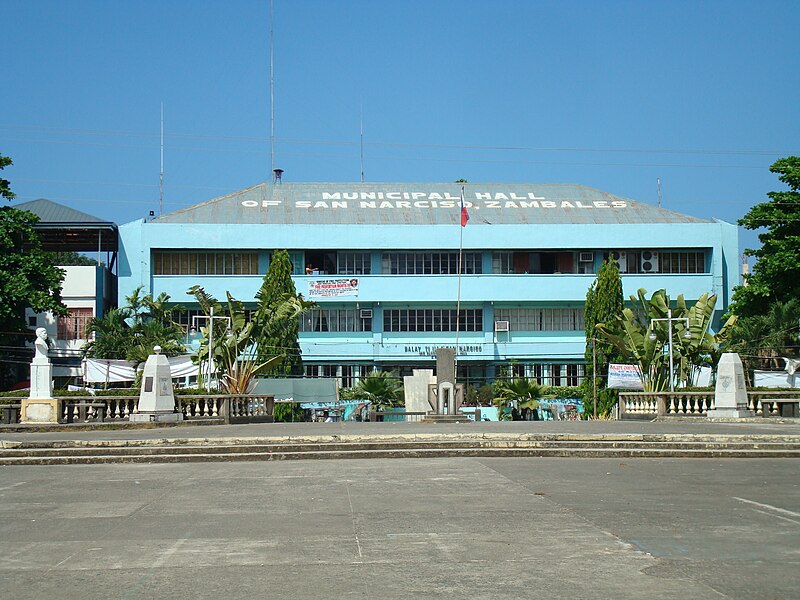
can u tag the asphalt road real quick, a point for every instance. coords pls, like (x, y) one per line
(435, 528)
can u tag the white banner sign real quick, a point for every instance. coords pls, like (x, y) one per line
(329, 288)
(624, 377)
(775, 379)
(96, 370)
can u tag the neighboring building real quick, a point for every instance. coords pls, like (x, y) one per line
(88, 290)
(384, 260)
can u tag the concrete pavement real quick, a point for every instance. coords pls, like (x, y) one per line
(699, 427)
(403, 528)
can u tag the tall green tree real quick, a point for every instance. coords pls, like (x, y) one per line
(5, 184)
(28, 279)
(776, 274)
(763, 341)
(604, 304)
(278, 337)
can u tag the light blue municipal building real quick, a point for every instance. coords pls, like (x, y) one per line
(381, 260)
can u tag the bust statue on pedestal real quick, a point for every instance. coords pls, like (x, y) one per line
(41, 368)
(41, 346)
(40, 406)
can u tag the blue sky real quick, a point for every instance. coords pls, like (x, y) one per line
(611, 95)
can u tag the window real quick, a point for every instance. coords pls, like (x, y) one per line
(334, 319)
(541, 319)
(682, 262)
(430, 263)
(502, 263)
(354, 263)
(298, 264)
(575, 374)
(426, 319)
(555, 375)
(546, 374)
(73, 326)
(201, 263)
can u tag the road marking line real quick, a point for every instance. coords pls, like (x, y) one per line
(164, 556)
(763, 512)
(13, 485)
(353, 517)
(769, 506)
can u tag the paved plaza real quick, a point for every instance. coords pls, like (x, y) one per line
(403, 528)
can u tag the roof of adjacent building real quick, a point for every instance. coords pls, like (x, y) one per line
(423, 204)
(53, 212)
(62, 228)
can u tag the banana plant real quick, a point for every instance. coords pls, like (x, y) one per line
(639, 335)
(235, 351)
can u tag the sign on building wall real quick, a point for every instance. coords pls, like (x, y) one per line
(624, 377)
(331, 288)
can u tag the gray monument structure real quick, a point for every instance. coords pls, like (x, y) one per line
(730, 394)
(416, 390)
(446, 396)
(40, 406)
(156, 398)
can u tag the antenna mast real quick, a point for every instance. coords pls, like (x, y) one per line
(161, 174)
(271, 92)
(362, 142)
(659, 192)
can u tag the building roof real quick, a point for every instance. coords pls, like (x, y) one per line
(422, 204)
(52, 212)
(62, 228)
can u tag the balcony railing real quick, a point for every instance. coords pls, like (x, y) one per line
(692, 404)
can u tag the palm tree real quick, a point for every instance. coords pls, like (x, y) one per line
(520, 394)
(130, 332)
(763, 340)
(109, 335)
(381, 388)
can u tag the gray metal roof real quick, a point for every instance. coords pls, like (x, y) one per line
(61, 228)
(422, 204)
(52, 212)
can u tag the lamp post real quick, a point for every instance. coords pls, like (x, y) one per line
(211, 318)
(670, 319)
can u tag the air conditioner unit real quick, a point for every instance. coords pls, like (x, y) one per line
(649, 261)
(586, 257)
(501, 326)
(622, 259)
(366, 313)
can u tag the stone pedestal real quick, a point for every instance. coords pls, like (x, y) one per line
(156, 399)
(41, 379)
(39, 410)
(730, 395)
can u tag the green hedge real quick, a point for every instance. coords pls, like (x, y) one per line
(560, 391)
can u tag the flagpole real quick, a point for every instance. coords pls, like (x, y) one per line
(458, 299)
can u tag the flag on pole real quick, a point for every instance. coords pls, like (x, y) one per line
(464, 213)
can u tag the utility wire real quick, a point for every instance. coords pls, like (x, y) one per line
(262, 139)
